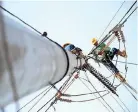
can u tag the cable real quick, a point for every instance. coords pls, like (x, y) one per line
(91, 99)
(61, 88)
(123, 104)
(107, 36)
(71, 95)
(129, 15)
(20, 19)
(108, 26)
(130, 92)
(34, 98)
(46, 103)
(39, 100)
(111, 20)
(127, 62)
(117, 102)
(127, 11)
(69, 84)
(96, 96)
(99, 93)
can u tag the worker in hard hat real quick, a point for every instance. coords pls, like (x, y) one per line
(102, 49)
(72, 48)
(106, 55)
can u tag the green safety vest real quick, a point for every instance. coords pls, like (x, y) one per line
(100, 48)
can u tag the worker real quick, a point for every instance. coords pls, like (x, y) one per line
(73, 49)
(105, 54)
(102, 49)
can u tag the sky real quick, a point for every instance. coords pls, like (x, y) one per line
(78, 22)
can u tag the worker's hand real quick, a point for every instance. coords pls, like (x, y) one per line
(101, 53)
(74, 51)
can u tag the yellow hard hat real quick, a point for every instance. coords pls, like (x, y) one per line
(94, 40)
(65, 45)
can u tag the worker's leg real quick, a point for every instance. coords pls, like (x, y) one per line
(116, 51)
(113, 68)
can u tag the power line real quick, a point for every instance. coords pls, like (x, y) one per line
(130, 15)
(111, 20)
(117, 102)
(34, 98)
(20, 20)
(96, 96)
(127, 11)
(127, 62)
(71, 95)
(46, 103)
(107, 26)
(99, 93)
(124, 104)
(108, 35)
(39, 100)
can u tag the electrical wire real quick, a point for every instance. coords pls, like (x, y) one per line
(96, 96)
(34, 98)
(99, 93)
(111, 20)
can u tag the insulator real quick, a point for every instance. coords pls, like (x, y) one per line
(122, 36)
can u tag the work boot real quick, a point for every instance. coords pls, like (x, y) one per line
(120, 77)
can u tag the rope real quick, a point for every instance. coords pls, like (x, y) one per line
(61, 89)
(89, 57)
(20, 19)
